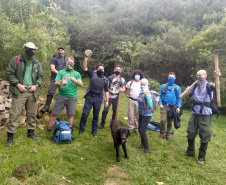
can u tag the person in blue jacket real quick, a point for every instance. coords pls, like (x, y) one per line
(144, 104)
(169, 96)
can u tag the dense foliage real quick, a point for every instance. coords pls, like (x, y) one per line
(152, 35)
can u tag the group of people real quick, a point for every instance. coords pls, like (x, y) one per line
(25, 75)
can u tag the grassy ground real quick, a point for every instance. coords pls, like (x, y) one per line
(89, 160)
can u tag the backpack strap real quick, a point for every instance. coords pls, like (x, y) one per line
(208, 90)
(110, 79)
(131, 83)
(167, 89)
(18, 60)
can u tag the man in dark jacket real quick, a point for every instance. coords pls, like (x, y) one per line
(57, 63)
(94, 96)
(25, 75)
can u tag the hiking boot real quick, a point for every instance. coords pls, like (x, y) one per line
(49, 129)
(147, 151)
(201, 161)
(94, 134)
(168, 138)
(140, 146)
(101, 126)
(189, 153)
(80, 132)
(31, 135)
(161, 137)
(9, 141)
(45, 109)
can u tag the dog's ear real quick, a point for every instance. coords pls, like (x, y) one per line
(118, 132)
(128, 132)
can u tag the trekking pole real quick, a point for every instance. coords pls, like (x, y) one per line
(117, 106)
(187, 90)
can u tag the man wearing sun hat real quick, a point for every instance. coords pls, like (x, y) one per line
(25, 75)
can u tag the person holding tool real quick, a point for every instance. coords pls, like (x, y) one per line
(200, 119)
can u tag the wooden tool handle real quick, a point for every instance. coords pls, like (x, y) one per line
(217, 82)
(187, 90)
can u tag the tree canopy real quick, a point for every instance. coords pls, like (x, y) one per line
(154, 36)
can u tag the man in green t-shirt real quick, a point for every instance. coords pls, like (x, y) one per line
(67, 80)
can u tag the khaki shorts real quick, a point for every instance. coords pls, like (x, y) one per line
(62, 101)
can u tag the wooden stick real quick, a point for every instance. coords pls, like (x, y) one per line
(117, 106)
(187, 90)
(217, 78)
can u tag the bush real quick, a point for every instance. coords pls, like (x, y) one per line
(154, 85)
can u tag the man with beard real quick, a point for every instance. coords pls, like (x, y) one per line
(94, 96)
(116, 84)
(200, 120)
(57, 63)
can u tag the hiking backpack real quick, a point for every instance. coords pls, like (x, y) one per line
(155, 101)
(213, 99)
(62, 133)
(18, 61)
(167, 89)
(93, 87)
(110, 79)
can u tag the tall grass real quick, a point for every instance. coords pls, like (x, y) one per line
(89, 160)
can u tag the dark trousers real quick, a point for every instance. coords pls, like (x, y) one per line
(143, 124)
(114, 102)
(90, 102)
(51, 92)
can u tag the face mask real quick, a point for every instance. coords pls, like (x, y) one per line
(29, 52)
(117, 73)
(200, 79)
(144, 89)
(201, 83)
(69, 67)
(100, 73)
(171, 81)
(137, 77)
(61, 55)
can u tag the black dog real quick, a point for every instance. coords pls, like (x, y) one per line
(119, 135)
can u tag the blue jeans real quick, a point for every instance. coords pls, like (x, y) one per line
(95, 102)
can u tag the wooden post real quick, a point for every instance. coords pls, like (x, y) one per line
(117, 106)
(217, 78)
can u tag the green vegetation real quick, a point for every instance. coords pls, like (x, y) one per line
(154, 36)
(89, 160)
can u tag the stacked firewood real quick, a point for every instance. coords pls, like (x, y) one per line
(5, 104)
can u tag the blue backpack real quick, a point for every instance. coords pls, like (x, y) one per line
(62, 133)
